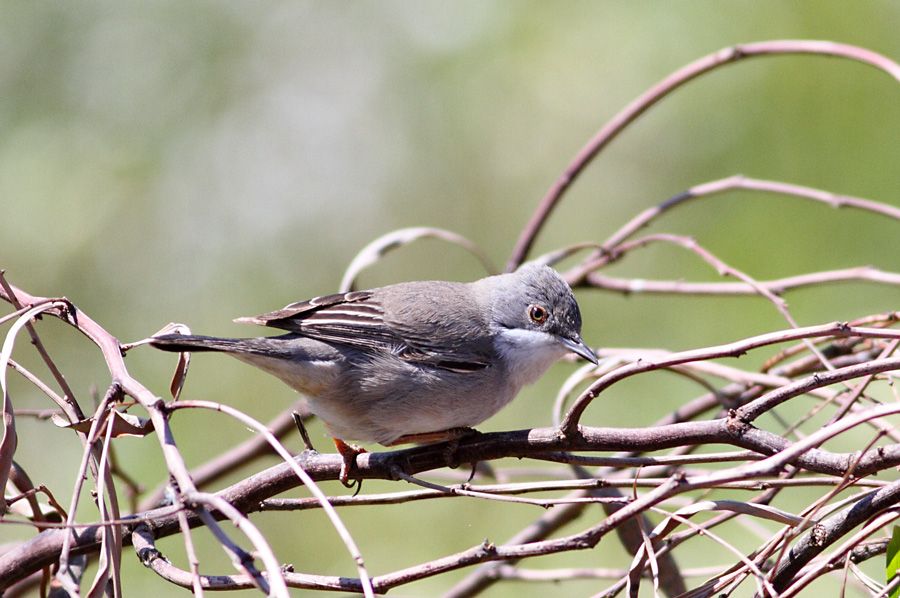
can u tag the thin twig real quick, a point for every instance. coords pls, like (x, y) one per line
(339, 526)
(662, 89)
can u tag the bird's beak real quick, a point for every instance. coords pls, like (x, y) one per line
(579, 347)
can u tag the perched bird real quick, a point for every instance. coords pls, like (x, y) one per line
(415, 361)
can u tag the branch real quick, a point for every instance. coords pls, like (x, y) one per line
(629, 286)
(247, 495)
(649, 98)
(735, 349)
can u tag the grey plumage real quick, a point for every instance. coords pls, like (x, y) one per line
(414, 357)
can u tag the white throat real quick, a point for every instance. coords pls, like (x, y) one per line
(527, 353)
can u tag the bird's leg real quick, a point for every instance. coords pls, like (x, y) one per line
(348, 454)
(429, 437)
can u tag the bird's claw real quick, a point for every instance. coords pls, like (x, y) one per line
(348, 454)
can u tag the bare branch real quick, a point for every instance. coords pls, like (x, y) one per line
(656, 93)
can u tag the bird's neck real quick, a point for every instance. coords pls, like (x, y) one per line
(527, 354)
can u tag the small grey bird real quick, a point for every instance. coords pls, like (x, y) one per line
(414, 361)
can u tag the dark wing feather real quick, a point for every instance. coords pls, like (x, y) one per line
(358, 319)
(353, 319)
(292, 312)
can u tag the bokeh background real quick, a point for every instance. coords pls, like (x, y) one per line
(195, 162)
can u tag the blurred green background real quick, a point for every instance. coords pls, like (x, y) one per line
(195, 162)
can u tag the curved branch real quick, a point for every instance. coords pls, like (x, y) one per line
(247, 494)
(652, 96)
(736, 349)
(779, 286)
(829, 531)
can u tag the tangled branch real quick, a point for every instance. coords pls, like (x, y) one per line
(731, 453)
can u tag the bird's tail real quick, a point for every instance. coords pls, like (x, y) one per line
(180, 343)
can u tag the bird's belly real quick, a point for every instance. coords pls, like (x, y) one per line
(378, 409)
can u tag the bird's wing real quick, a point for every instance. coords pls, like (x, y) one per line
(358, 320)
(352, 319)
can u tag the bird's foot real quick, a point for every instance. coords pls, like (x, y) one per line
(348, 453)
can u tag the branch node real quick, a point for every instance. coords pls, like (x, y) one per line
(147, 555)
(818, 535)
(396, 472)
(567, 435)
(736, 424)
(488, 547)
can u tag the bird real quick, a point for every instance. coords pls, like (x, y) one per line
(412, 362)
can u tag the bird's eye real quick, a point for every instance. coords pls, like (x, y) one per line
(537, 314)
